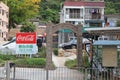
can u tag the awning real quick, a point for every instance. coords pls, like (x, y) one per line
(103, 30)
(107, 42)
(65, 31)
(69, 31)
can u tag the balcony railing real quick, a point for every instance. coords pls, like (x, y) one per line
(74, 16)
(87, 16)
(94, 17)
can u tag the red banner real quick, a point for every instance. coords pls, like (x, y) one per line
(26, 38)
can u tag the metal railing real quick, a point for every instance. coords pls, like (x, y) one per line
(60, 73)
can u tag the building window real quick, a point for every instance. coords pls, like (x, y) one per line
(2, 12)
(7, 15)
(0, 22)
(75, 13)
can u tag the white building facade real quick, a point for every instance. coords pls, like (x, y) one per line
(84, 12)
(89, 13)
(4, 20)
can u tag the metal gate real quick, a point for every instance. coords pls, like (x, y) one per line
(60, 73)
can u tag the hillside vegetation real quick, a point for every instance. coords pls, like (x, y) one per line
(49, 9)
(45, 10)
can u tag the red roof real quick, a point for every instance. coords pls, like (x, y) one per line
(101, 4)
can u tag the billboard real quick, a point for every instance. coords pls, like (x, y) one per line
(26, 43)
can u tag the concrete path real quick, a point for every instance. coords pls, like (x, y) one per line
(59, 61)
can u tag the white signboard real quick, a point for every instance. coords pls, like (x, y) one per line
(26, 49)
(26, 43)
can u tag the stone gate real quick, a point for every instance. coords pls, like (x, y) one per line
(51, 28)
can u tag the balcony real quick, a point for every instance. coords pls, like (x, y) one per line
(74, 16)
(94, 16)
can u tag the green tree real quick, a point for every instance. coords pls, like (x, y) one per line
(21, 10)
(109, 8)
(118, 23)
(112, 6)
(28, 27)
(49, 10)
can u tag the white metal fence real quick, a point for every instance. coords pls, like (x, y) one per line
(60, 73)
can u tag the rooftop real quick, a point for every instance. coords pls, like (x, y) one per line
(103, 30)
(82, 3)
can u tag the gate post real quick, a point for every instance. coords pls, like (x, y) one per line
(49, 64)
(79, 45)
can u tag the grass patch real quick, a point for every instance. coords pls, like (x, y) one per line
(1, 62)
(71, 63)
(31, 62)
(7, 57)
(41, 53)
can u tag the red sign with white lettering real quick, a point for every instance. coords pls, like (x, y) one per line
(26, 38)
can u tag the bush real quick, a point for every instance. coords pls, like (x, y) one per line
(30, 62)
(41, 52)
(7, 57)
(1, 62)
(118, 23)
(71, 63)
(85, 60)
(27, 27)
(55, 50)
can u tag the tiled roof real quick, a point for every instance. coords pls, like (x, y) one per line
(75, 3)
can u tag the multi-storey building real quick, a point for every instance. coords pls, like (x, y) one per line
(4, 20)
(89, 13)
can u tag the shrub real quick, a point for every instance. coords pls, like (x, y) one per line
(71, 63)
(85, 60)
(41, 52)
(27, 27)
(118, 23)
(7, 57)
(1, 62)
(30, 62)
(55, 50)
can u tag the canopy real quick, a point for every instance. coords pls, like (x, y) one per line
(107, 42)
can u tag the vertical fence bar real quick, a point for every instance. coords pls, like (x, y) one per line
(14, 72)
(47, 74)
(7, 70)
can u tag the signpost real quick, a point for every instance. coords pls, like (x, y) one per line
(26, 43)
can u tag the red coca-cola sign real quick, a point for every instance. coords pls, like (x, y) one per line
(26, 38)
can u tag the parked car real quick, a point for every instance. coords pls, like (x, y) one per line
(69, 45)
(72, 44)
(10, 47)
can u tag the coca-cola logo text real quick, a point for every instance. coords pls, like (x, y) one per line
(26, 38)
